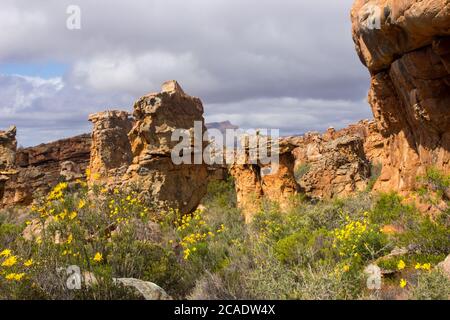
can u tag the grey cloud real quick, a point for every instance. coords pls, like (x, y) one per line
(290, 115)
(228, 52)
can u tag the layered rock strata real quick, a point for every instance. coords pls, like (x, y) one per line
(37, 170)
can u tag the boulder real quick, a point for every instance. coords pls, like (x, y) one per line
(148, 290)
(445, 266)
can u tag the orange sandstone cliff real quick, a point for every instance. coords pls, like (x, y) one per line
(405, 44)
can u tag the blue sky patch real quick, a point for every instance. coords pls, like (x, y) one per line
(42, 70)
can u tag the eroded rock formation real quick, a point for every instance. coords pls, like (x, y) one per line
(157, 116)
(111, 150)
(262, 180)
(406, 47)
(37, 169)
(8, 146)
(137, 152)
(330, 165)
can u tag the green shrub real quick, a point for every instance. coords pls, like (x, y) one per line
(375, 173)
(427, 237)
(314, 251)
(389, 209)
(301, 171)
(8, 233)
(304, 247)
(432, 285)
(358, 240)
(221, 194)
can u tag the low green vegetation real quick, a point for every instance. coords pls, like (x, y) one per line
(301, 171)
(314, 251)
(375, 173)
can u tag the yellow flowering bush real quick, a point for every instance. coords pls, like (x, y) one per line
(313, 251)
(14, 268)
(193, 233)
(359, 240)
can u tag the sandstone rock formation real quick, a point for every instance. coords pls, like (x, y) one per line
(157, 116)
(111, 150)
(320, 166)
(408, 57)
(8, 146)
(257, 181)
(38, 169)
(328, 168)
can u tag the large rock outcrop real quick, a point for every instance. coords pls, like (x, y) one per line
(8, 146)
(111, 150)
(407, 51)
(157, 116)
(320, 166)
(329, 165)
(261, 180)
(38, 169)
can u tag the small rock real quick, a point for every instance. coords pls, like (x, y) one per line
(149, 290)
(445, 266)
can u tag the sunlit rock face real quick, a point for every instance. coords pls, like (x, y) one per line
(38, 169)
(406, 47)
(257, 181)
(8, 146)
(157, 116)
(111, 150)
(318, 166)
(332, 168)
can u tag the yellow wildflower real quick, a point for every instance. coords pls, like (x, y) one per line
(69, 239)
(346, 268)
(15, 276)
(5, 253)
(403, 283)
(426, 266)
(28, 263)
(98, 257)
(187, 253)
(19, 276)
(401, 265)
(10, 276)
(9, 262)
(81, 204)
(73, 215)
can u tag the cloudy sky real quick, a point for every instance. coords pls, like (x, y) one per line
(287, 64)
